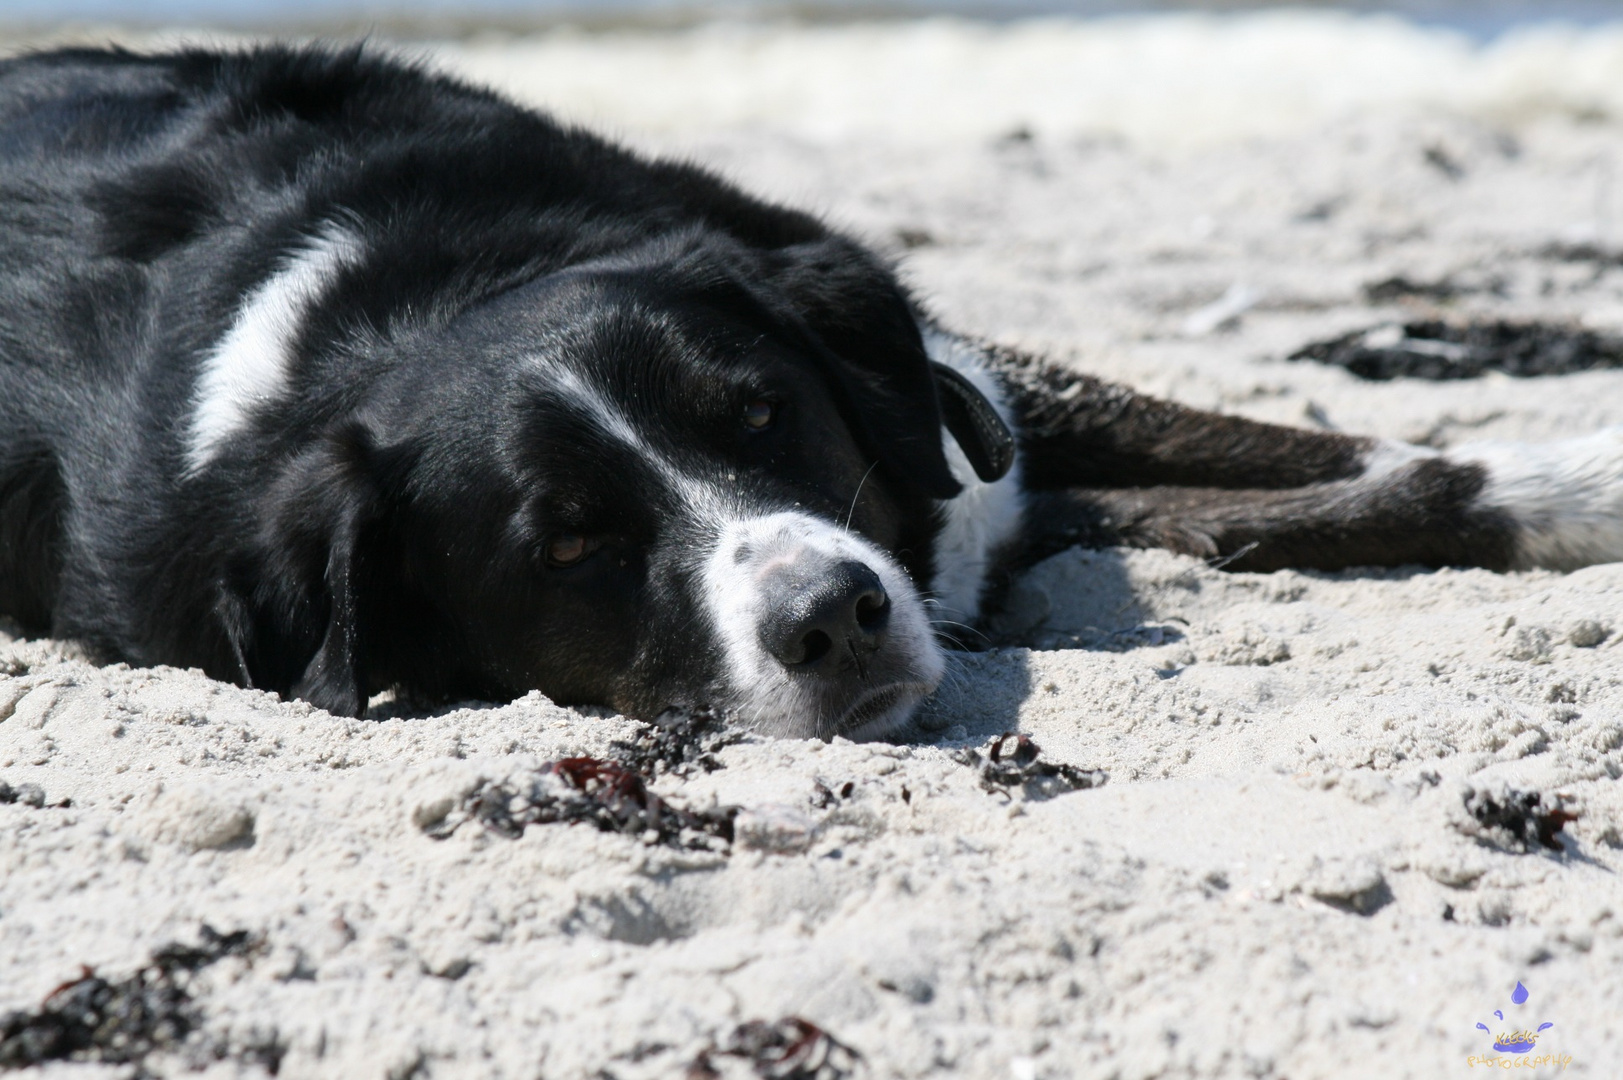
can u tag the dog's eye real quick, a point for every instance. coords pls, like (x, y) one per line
(758, 414)
(567, 549)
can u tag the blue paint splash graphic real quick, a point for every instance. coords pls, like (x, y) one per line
(1515, 1045)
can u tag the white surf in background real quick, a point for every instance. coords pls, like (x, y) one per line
(1477, 17)
(1159, 81)
(1159, 74)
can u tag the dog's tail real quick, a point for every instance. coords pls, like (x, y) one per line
(1564, 499)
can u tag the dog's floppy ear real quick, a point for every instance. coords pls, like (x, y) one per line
(980, 432)
(316, 537)
(858, 315)
(333, 679)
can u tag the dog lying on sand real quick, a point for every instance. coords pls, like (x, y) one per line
(329, 376)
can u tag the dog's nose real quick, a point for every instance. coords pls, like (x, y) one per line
(822, 620)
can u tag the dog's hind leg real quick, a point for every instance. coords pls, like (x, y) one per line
(1102, 464)
(1428, 514)
(1078, 431)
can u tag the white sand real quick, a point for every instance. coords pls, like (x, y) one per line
(1284, 750)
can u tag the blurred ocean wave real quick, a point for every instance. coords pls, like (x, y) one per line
(1173, 81)
(1480, 19)
(1155, 74)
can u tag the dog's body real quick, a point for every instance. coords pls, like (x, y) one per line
(328, 376)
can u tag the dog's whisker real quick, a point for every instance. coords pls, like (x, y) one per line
(851, 513)
(937, 624)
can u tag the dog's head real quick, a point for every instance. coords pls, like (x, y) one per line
(693, 476)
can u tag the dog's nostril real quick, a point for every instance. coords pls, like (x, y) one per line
(815, 646)
(873, 608)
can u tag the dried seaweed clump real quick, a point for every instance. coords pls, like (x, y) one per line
(121, 1021)
(789, 1049)
(603, 794)
(1518, 817)
(677, 742)
(1439, 350)
(1015, 761)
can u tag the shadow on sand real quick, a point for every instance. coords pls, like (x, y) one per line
(1080, 599)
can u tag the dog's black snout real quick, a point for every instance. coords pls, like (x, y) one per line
(844, 608)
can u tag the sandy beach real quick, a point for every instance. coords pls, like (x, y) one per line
(1326, 823)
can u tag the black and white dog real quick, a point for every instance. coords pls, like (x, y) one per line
(329, 376)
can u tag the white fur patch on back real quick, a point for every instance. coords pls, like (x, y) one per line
(249, 365)
(1565, 497)
(985, 517)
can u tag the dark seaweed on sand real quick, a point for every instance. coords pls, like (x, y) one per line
(1522, 817)
(1439, 350)
(678, 741)
(787, 1049)
(121, 1021)
(1015, 761)
(584, 790)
